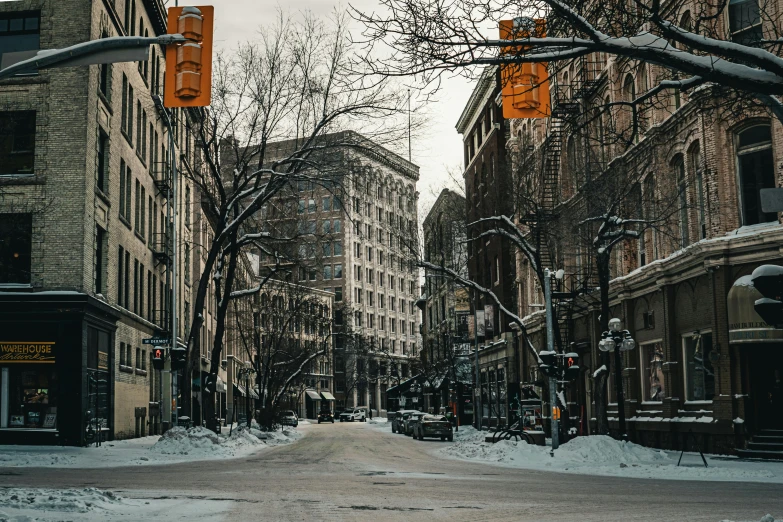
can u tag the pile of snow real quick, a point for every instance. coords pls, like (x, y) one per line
(200, 441)
(61, 501)
(602, 455)
(95, 505)
(377, 420)
(765, 518)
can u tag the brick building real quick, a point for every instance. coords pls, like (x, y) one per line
(84, 260)
(491, 260)
(704, 361)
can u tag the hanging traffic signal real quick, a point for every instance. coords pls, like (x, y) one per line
(768, 280)
(158, 358)
(178, 358)
(188, 78)
(570, 366)
(525, 86)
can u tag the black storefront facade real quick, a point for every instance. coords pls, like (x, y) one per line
(56, 368)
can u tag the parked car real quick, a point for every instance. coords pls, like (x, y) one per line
(433, 426)
(325, 416)
(412, 419)
(399, 419)
(353, 414)
(289, 418)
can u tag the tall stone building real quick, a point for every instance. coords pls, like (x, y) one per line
(84, 261)
(357, 235)
(491, 259)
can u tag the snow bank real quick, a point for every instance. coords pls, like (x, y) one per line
(602, 455)
(61, 501)
(378, 420)
(95, 505)
(765, 518)
(175, 446)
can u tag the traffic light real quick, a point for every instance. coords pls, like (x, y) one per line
(525, 86)
(768, 280)
(188, 78)
(158, 358)
(570, 366)
(548, 362)
(178, 358)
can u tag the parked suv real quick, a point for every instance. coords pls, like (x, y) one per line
(399, 419)
(353, 414)
(433, 426)
(289, 418)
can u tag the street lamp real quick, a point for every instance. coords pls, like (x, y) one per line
(616, 340)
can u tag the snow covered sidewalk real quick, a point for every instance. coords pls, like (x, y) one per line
(175, 446)
(601, 455)
(91, 504)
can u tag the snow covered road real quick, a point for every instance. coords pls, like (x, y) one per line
(360, 471)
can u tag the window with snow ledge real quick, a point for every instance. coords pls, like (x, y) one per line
(755, 169)
(699, 373)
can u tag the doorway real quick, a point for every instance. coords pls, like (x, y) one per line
(764, 384)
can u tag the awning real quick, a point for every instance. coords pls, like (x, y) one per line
(745, 325)
(239, 390)
(328, 396)
(313, 395)
(253, 394)
(404, 386)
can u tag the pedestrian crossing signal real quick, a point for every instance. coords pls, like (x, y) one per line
(158, 358)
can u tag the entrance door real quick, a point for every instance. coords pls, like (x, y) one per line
(766, 385)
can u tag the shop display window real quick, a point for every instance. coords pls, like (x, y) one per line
(652, 372)
(32, 397)
(699, 373)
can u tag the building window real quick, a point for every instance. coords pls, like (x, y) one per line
(338, 248)
(338, 271)
(19, 32)
(652, 371)
(17, 141)
(16, 232)
(745, 22)
(756, 171)
(699, 373)
(694, 157)
(338, 293)
(327, 272)
(100, 248)
(101, 180)
(678, 165)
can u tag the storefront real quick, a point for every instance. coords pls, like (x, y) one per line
(55, 370)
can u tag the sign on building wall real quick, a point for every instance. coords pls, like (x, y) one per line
(27, 353)
(489, 319)
(480, 323)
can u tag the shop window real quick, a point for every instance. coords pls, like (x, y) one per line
(652, 371)
(19, 33)
(17, 142)
(32, 396)
(699, 373)
(755, 171)
(16, 232)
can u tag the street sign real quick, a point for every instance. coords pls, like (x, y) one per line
(156, 341)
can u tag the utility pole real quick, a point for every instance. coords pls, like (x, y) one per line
(550, 341)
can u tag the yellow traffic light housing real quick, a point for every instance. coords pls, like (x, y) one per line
(525, 86)
(188, 79)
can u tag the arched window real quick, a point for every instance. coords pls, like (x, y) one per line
(755, 171)
(678, 170)
(649, 211)
(695, 166)
(629, 88)
(745, 21)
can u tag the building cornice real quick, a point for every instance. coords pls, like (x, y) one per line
(478, 98)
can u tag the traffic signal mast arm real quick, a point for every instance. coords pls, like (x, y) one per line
(104, 50)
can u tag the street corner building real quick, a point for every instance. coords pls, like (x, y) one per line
(706, 370)
(85, 264)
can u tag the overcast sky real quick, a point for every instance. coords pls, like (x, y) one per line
(438, 150)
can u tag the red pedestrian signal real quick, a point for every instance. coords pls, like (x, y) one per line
(158, 358)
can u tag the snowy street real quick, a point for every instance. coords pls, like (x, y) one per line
(356, 471)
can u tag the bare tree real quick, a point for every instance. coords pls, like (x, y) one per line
(300, 83)
(715, 42)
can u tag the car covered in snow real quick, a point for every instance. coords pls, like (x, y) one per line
(325, 416)
(433, 426)
(399, 419)
(289, 418)
(353, 414)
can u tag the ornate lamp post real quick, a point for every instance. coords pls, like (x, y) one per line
(618, 341)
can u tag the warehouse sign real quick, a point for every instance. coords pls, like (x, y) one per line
(14, 352)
